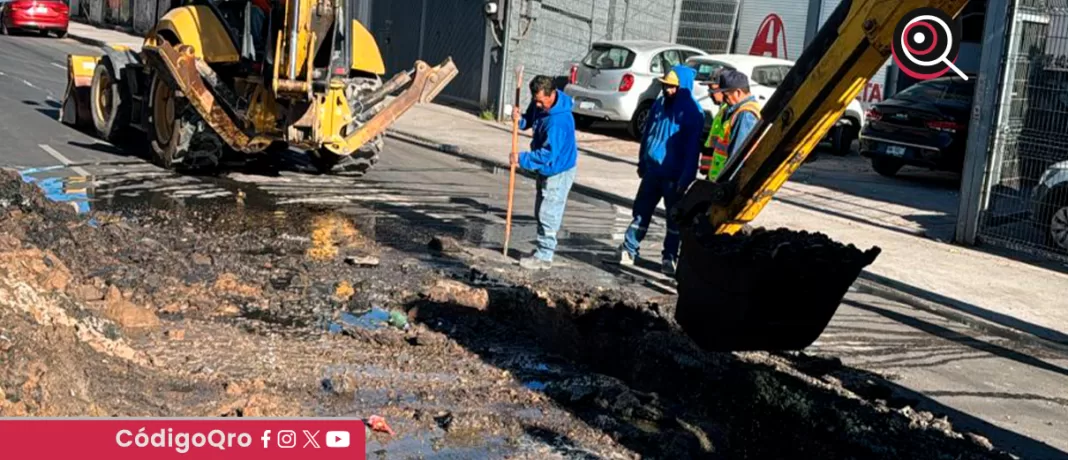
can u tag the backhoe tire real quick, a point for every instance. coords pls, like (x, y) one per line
(178, 137)
(357, 163)
(109, 102)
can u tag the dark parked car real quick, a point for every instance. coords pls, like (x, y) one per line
(924, 125)
(1050, 205)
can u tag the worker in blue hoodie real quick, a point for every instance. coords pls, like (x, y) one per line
(552, 155)
(667, 163)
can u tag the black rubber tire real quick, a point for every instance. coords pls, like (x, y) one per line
(43, 33)
(638, 120)
(192, 146)
(886, 166)
(583, 122)
(61, 34)
(4, 30)
(1057, 199)
(110, 126)
(844, 136)
(355, 165)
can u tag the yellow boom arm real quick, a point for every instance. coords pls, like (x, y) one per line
(777, 290)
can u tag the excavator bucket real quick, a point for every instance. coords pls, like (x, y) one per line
(75, 108)
(766, 290)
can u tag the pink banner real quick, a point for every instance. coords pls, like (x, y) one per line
(155, 438)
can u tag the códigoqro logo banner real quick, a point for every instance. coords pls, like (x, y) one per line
(202, 438)
(926, 43)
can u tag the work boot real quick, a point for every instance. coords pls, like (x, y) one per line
(667, 267)
(622, 257)
(534, 263)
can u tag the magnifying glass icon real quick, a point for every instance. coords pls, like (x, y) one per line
(944, 58)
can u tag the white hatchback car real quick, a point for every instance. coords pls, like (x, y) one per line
(617, 80)
(765, 74)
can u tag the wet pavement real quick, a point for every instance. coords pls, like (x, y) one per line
(265, 222)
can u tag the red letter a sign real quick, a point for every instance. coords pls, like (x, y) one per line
(767, 38)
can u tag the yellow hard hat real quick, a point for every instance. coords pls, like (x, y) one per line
(671, 79)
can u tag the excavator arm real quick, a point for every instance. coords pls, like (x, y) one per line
(777, 290)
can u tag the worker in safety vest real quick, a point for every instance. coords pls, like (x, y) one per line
(740, 117)
(706, 161)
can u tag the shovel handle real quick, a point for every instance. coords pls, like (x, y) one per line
(515, 150)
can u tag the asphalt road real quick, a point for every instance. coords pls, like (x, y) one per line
(1013, 394)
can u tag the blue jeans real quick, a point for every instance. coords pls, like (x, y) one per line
(549, 210)
(650, 192)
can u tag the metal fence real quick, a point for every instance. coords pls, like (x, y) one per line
(1024, 205)
(708, 24)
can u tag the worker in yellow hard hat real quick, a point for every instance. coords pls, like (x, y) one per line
(667, 163)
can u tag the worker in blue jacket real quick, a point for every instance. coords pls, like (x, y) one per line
(667, 163)
(552, 155)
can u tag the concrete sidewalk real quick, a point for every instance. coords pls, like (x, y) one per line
(990, 292)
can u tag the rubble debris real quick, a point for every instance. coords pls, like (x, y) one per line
(452, 291)
(362, 261)
(125, 313)
(444, 420)
(445, 245)
(618, 375)
(378, 424)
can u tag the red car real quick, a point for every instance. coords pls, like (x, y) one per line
(43, 16)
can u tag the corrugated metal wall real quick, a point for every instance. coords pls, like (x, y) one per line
(431, 30)
(564, 30)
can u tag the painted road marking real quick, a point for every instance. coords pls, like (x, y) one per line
(62, 159)
(54, 64)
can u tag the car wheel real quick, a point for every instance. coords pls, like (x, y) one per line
(61, 34)
(637, 122)
(1055, 223)
(886, 166)
(843, 139)
(44, 33)
(583, 122)
(3, 28)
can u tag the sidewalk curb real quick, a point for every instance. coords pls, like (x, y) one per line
(868, 286)
(458, 151)
(95, 41)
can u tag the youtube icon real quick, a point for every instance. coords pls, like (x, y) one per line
(338, 439)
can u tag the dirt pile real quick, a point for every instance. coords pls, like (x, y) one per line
(188, 311)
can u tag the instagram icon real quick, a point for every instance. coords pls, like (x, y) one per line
(287, 439)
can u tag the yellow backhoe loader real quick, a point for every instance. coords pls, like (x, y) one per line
(218, 77)
(777, 290)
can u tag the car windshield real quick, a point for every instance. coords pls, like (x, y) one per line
(606, 57)
(705, 69)
(941, 90)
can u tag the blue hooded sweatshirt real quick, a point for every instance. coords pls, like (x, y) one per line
(671, 140)
(553, 149)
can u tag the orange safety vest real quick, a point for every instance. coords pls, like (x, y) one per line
(721, 144)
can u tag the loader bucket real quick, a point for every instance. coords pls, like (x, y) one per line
(75, 108)
(766, 290)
